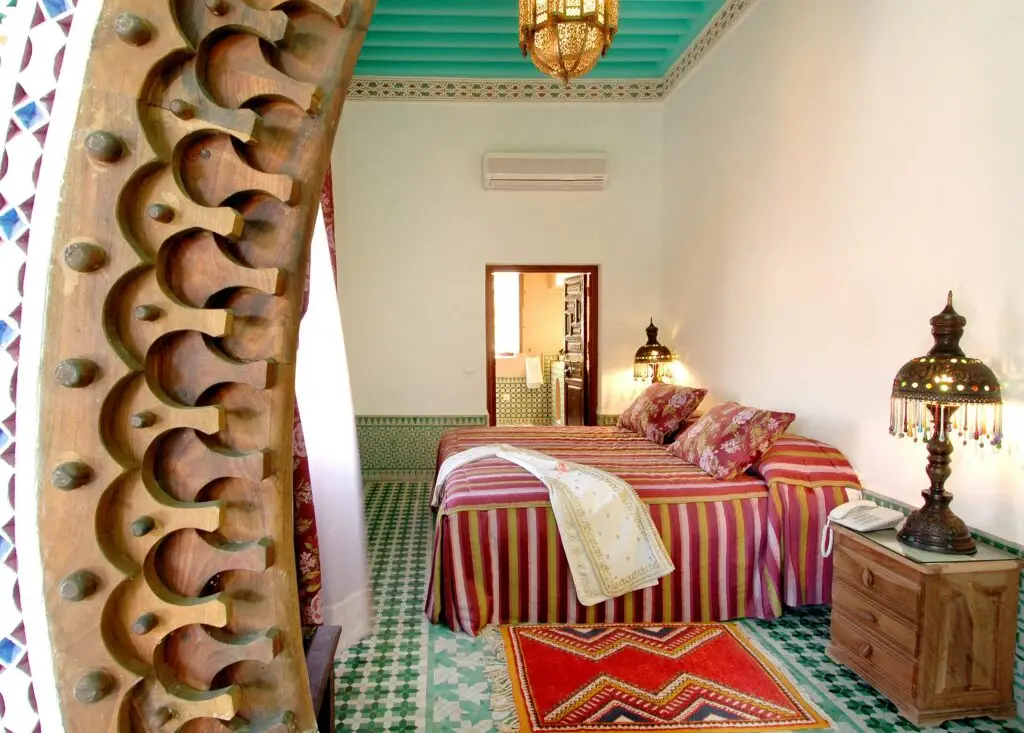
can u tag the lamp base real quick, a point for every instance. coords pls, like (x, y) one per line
(935, 528)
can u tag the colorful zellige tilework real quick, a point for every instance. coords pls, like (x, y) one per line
(411, 675)
(398, 443)
(40, 53)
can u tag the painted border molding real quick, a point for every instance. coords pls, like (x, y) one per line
(550, 90)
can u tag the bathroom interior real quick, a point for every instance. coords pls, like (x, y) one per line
(529, 340)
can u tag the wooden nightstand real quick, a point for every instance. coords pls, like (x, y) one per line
(933, 633)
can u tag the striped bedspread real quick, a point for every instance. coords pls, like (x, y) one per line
(741, 548)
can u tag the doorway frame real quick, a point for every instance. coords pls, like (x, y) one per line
(592, 317)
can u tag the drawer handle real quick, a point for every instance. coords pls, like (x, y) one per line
(865, 650)
(866, 615)
(868, 578)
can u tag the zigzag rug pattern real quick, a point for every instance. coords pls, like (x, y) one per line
(644, 677)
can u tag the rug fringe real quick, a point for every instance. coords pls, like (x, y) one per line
(503, 704)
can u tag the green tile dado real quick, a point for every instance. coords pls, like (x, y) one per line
(474, 39)
(405, 443)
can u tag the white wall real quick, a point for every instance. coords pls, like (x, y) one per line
(415, 229)
(831, 170)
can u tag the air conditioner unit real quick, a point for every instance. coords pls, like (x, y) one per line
(545, 171)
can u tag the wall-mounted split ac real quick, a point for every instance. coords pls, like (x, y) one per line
(545, 171)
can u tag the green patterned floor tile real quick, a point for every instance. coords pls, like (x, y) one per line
(411, 675)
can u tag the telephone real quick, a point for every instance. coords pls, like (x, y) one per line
(861, 516)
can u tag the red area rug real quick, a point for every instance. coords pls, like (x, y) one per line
(647, 677)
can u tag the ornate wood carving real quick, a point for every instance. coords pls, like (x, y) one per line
(202, 137)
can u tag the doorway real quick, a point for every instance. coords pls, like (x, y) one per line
(542, 345)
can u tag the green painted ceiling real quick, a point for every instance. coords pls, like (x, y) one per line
(480, 39)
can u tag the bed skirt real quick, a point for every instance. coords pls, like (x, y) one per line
(734, 558)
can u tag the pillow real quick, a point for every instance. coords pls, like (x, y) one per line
(661, 410)
(730, 438)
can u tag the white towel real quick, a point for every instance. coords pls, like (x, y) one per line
(534, 377)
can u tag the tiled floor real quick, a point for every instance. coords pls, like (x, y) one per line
(414, 676)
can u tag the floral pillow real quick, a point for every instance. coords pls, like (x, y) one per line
(661, 410)
(730, 437)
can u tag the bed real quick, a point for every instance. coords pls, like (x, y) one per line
(742, 548)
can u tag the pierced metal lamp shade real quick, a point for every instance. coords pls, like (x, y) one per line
(649, 356)
(934, 397)
(565, 38)
(947, 378)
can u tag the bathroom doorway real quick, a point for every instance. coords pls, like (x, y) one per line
(541, 344)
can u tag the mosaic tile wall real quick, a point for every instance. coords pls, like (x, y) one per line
(34, 34)
(524, 406)
(1016, 550)
(404, 444)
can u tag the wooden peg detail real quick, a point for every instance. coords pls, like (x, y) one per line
(142, 526)
(78, 586)
(199, 21)
(215, 172)
(204, 653)
(200, 267)
(93, 686)
(133, 29)
(84, 256)
(186, 465)
(146, 593)
(156, 210)
(239, 72)
(187, 366)
(207, 558)
(76, 372)
(283, 108)
(153, 702)
(104, 146)
(141, 312)
(145, 514)
(134, 416)
(71, 475)
(179, 107)
(144, 624)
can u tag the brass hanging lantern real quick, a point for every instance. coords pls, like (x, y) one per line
(565, 38)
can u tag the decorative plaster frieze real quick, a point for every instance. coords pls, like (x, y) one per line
(550, 90)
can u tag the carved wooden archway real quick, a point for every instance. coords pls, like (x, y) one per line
(191, 187)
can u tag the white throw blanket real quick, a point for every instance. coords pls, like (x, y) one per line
(610, 541)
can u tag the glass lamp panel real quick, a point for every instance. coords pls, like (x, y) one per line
(541, 7)
(526, 14)
(542, 18)
(590, 6)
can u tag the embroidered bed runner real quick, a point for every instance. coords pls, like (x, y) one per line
(611, 544)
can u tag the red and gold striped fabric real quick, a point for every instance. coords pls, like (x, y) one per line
(741, 547)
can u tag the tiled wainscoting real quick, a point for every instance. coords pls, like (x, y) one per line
(1018, 551)
(518, 404)
(404, 446)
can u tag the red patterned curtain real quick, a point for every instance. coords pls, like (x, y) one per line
(307, 544)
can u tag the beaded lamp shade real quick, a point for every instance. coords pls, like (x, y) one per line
(937, 396)
(565, 38)
(650, 356)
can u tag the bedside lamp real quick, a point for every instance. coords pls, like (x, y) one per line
(651, 359)
(948, 393)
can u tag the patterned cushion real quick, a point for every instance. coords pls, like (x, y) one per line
(661, 410)
(730, 438)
